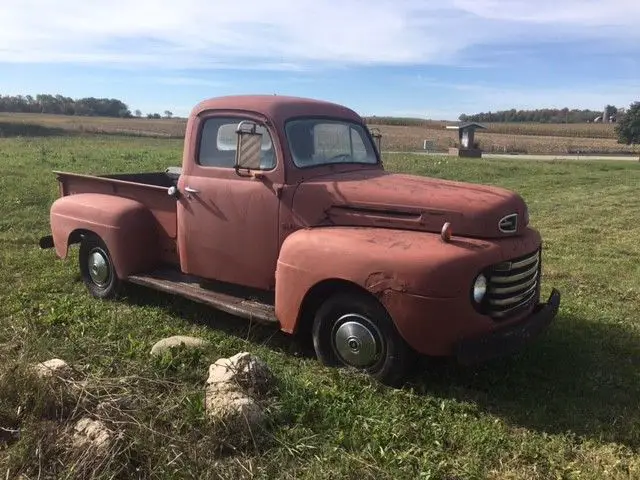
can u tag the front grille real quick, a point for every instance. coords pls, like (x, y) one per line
(512, 286)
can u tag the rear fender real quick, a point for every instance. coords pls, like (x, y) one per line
(126, 226)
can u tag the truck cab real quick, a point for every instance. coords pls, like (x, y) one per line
(282, 212)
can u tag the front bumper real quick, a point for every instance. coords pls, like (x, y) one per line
(510, 338)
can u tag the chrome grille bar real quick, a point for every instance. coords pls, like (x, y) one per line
(506, 266)
(505, 313)
(516, 277)
(514, 299)
(512, 289)
(525, 262)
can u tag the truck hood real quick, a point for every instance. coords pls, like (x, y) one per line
(375, 198)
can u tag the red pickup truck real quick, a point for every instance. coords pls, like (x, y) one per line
(282, 212)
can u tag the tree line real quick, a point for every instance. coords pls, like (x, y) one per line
(61, 105)
(545, 115)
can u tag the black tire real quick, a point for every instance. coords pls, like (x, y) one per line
(393, 356)
(100, 279)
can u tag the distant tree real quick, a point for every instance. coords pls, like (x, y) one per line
(168, 114)
(153, 115)
(31, 103)
(628, 127)
(138, 113)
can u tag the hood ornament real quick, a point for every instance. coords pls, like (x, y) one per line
(508, 224)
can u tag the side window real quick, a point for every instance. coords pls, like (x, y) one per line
(218, 144)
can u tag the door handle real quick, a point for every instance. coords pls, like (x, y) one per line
(191, 190)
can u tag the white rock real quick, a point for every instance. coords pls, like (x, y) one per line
(53, 368)
(243, 369)
(91, 433)
(234, 409)
(231, 391)
(167, 343)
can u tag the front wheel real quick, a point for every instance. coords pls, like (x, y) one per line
(96, 268)
(356, 331)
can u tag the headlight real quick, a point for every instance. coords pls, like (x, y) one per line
(479, 288)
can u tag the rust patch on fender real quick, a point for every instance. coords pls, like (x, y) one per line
(380, 282)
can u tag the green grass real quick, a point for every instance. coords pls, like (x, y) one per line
(568, 407)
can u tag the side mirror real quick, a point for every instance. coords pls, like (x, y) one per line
(248, 147)
(377, 138)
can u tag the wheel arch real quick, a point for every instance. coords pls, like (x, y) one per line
(317, 295)
(77, 235)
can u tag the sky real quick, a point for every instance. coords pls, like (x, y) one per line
(419, 58)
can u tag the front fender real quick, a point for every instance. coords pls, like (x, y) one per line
(126, 226)
(384, 262)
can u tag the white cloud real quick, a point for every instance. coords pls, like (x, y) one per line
(290, 35)
(582, 13)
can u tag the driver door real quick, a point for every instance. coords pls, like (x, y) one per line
(228, 223)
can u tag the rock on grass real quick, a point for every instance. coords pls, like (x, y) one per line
(234, 388)
(89, 433)
(234, 409)
(244, 370)
(166, 344)
(53, 368)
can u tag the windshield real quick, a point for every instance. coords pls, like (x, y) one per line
(319, 141)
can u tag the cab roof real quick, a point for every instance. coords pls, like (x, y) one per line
(276, 108)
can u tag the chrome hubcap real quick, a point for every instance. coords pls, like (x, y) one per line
(98, 268)
(357, 340)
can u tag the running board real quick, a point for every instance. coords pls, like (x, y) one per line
(176, 283)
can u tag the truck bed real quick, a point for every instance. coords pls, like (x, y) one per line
(149, 188)
(168, 178)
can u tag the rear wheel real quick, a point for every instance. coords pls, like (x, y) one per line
(96, 268)
(355, 330)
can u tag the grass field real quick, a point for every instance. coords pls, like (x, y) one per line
(568, 407)
(498, 138)
(36, 124)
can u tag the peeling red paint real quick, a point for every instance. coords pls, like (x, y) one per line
(379, 282)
